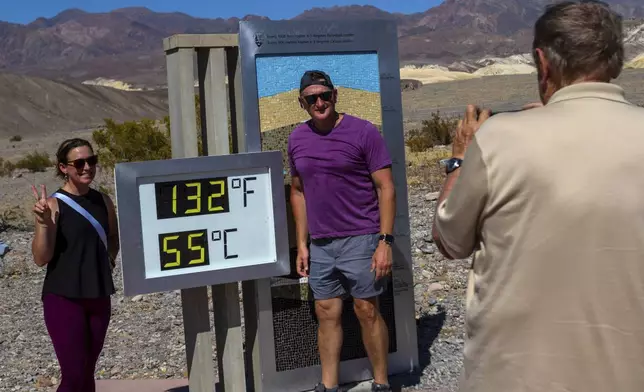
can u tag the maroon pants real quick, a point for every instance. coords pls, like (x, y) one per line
(77, 328)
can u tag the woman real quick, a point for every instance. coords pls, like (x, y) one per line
(79, 252)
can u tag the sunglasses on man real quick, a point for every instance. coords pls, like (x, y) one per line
(80, 162)
(313, 98)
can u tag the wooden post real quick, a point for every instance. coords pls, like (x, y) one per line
(215, 54)
(194, 302)
(225, 297)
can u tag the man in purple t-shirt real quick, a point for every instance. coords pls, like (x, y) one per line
(342, 196)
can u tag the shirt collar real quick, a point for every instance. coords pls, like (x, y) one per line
(608, 91)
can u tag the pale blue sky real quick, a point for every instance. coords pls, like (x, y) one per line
(27, 11)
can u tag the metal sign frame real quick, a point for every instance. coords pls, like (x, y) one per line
(379, 36)
(127, 180)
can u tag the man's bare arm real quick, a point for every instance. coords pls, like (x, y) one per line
(384, 182)
(298, 205)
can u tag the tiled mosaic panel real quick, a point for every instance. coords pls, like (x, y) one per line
(295, 326)
(356, 77)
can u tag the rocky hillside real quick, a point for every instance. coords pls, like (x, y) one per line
(32, 105)
(634, 38)
(522, 63)
(126, 44)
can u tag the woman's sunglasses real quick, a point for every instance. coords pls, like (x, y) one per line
(80, 163)
(313, 98)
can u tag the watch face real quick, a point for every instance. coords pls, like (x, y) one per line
(452, 164)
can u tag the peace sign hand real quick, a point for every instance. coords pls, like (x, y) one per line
(41, 208)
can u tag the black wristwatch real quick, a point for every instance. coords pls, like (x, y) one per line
(451, 164)
(387, 238)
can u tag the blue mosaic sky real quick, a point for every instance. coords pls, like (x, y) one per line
(278, 74)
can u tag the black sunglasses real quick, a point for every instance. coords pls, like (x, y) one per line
(313, 98)
(80, 163)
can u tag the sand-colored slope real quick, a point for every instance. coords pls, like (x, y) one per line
(432, 74)
(637, 62)
(33, 105)
(280, 110)
(116, 84)
(505, 69)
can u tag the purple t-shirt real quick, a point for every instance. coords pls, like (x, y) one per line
(335, 169)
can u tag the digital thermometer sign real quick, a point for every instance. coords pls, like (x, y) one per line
(201, 221)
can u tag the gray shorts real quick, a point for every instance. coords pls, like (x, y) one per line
(340, 266)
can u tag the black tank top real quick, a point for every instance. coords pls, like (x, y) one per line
(80, 266)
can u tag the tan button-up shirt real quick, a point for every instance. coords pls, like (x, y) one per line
(551, 202)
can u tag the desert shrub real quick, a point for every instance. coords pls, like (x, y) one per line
(132, 141)
(15, 138)
(35, 162)
(437, 131)
(13, 218)
(144, 140)
(6, 168)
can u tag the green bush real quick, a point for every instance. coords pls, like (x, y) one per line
(436, 131)
(35, 162)
(132, 141)
(144, 140)
(15, 138)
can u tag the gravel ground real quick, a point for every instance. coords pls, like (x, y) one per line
(145, 339)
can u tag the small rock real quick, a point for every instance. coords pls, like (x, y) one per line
(137, 298)
(43, 382)
(435, 287)
(427, 249)
(3, 249)
(432, 196)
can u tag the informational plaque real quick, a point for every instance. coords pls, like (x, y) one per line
(201, 221)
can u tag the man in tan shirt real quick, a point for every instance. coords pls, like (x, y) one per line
(551, 202)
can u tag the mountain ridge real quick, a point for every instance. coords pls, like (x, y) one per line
(126, 43)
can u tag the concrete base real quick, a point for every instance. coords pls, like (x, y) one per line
(179, 385)
(170, 385)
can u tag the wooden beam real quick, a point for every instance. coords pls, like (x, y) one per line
(195, 41)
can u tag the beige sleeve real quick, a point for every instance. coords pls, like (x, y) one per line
(458, 216)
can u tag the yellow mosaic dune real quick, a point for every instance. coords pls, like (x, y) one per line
(282, 109)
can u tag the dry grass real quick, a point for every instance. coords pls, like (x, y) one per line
(423, 167)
